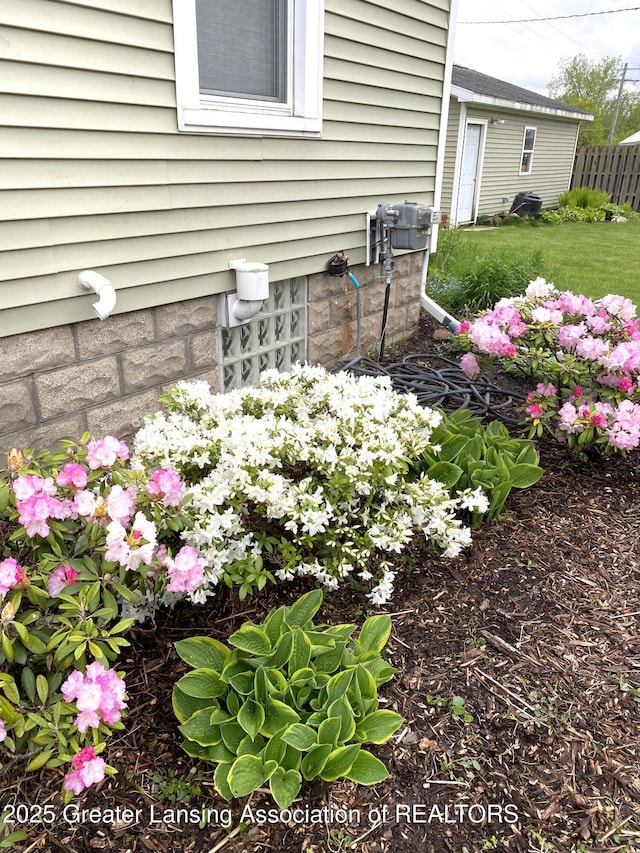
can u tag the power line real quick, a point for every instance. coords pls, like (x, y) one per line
(556, 18)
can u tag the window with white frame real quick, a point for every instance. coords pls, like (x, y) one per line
(528, 146)
(249, 66)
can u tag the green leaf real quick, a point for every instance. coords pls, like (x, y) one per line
(221, 781)
(314, 761)
(378, 726)
(198, 728)
(203, 652)
(277, 716)
(342, 709)
(304, 609)
(282, 651)
(300, 736)
(340, 762)
(367, 685)
(232, 735)
(528, 454)
(39, 761)
(272, 625)
(524, 475)
(28, 680)
(251, 639)
(284, 786)
(338, 684)
(446, 473)
(301, 651)
(42, 687)
(202, 684)
(450, 448)
(13, 838)
(374, 635)
(243, 682)
(367, 769)
(249, 746)
(251, 717)
(185, 706)
(247, 774)
(329, 731)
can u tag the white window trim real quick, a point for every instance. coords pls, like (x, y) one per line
(302, 116)
(531, 150)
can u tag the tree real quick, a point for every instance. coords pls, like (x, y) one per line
(593, 86)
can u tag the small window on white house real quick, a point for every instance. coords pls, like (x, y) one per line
(249, 66)
(528, 145)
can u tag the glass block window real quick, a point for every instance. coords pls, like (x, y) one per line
(277, 337)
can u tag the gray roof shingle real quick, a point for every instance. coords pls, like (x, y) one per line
(482, 84)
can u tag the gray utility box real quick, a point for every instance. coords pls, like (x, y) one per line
(410, 224)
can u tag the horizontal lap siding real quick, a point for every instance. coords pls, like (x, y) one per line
(552, 159)
(94, 173)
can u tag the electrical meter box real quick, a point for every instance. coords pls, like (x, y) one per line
(409, 223)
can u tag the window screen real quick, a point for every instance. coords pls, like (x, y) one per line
(528, 146)
(242, 48)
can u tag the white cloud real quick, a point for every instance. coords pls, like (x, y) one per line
(529, 54)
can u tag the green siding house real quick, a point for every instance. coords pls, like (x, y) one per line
(503, 140)
(153, 142)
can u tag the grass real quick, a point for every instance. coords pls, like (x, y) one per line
(589, 258)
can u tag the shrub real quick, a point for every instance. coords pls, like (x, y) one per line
(464, 282)
(84, 539)
(308, 472)
(290, 701)
(468, 455)
(584, 197)
(574, 214)
(586, 354)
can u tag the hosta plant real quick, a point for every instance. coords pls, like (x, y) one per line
(287, 701)
(470, 455)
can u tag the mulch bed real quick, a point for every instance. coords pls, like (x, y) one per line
(535, 630)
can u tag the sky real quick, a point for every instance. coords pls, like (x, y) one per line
(529, 54)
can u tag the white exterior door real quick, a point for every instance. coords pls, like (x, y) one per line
(469, 173)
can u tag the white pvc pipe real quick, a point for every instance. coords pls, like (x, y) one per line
(92, 280)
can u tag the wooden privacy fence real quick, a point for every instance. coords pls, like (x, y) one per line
(613, 168)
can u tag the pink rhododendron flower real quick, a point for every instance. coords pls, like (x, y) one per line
(121, 504)
(28, 486)
(3, 730)
(539, 287)
(166, 484)
(618, 306)
(11, 574)
(131, 549)
(35, 511)
(59, 578)
(73, 474)
(546, 389)
(470, 365)
(534, 410)
(568, 336)
(463, 328)
(103, 452)
(88, 769)
(577, 391)
(85, 503)
(591, 348)
(99, 696)
(186, 571)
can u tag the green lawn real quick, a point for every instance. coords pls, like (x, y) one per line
(589, 258)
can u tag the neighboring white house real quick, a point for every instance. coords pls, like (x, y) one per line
(155, 141)
(634, 139)
(503, 140)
